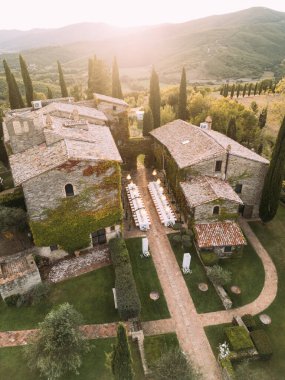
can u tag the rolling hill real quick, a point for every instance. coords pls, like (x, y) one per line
(235, 45)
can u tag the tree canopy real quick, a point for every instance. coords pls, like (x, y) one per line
(182, 103)
(147, 122)
(154, 98)
(27, 81)
(116, 84)
(121, 360)
(64, 92)
(58, 346)
(15, 97)
(273, 180)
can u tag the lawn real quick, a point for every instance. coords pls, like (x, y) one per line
(203, 301)
(272, 237)
(13, 366)
(91, 294)
(146, 280)
(155, 345)
(247, 273)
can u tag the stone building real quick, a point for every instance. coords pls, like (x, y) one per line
(184, 151)
(214, 179)
(65, 158)
(18, 274)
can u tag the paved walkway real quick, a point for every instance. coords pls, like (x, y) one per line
(105, 330)
(267, 295)
(188, 326)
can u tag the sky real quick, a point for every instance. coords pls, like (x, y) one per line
(29, 14)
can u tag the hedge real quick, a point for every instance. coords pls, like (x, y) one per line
(262, 343)
(128, 301)
(226, 364)
(249, 321)
(238, 338)
(209, 258)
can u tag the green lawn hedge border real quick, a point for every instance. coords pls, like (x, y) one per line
(129, 305)
(262, 343)
(238, 338)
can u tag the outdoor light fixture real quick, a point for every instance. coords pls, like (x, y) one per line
(129, 177)
(158, 181)
(154, 172)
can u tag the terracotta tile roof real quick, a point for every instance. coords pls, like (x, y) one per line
(218, 234)
(189, 144)
(204, 189)
(110, 99)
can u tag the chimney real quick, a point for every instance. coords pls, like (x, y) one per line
(48, 122)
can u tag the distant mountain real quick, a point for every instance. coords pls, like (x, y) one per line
(235, 45)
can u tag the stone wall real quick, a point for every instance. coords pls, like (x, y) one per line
(204, 212)
(47, 190)
(23, 134)
(18, 274)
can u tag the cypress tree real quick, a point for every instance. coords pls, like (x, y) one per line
(3, 153)
(226, 91)
(222, 90)
(49, 93)
(249, 89)
(154, 98)
(244, 90)
(260, 88)
(232, 129)
(64, 92)
(101, 77)
(255, 89)
(233, 90)
(121, 360)
(262, 118)
(90, 83)
(238, 90)
(273, 180)
(116, 84)
(182, 102)
(27, 81)
(15, 98)
(147, 122)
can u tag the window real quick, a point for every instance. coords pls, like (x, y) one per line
(112, 228)
(114, 108)
(238, 188)
(216, 210)
(53, 247)
(228, 249)
(69, 190)
(98, 237)
(218, 167)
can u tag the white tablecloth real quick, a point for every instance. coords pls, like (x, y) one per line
(139, 212)
(166, 215)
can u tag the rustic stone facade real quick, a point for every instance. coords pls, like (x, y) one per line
(18, 274)
(204, 213)
(46, 191)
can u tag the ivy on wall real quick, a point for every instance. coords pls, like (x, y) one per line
(70, 224)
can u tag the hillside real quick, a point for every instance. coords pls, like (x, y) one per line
(236, 45)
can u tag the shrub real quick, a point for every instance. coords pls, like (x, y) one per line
(209, 258)
(39, 293)
(128, 301)
(238, 338)
(227, 365)
(249, 321)
(186, 241)
(262, 343)
(219, 276)
(12, 300)
(176, 239)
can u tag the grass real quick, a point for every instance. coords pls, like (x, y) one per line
(13, 365)
(203, 301)
(247, 273)
(272, 237)
(155, 346)
(146, 280)
(90, 294)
